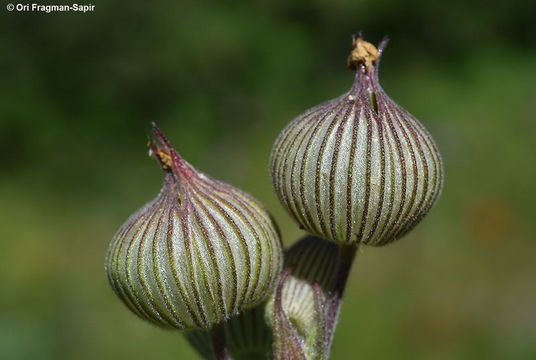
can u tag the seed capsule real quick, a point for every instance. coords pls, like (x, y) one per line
(197, 254)
(358, 168)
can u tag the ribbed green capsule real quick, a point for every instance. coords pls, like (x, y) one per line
(197, 254)
(358, 168)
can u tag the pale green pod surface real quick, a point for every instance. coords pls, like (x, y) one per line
(199, 253)
(312, 261)
(304, 308)
(358, 168)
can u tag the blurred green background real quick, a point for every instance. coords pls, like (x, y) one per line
(222, 78)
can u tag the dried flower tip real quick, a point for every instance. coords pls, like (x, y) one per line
(363, 53)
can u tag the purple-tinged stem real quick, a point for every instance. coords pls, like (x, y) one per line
(218, 343)
(347, 255)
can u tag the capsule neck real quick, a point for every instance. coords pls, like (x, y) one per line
(170, 161)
